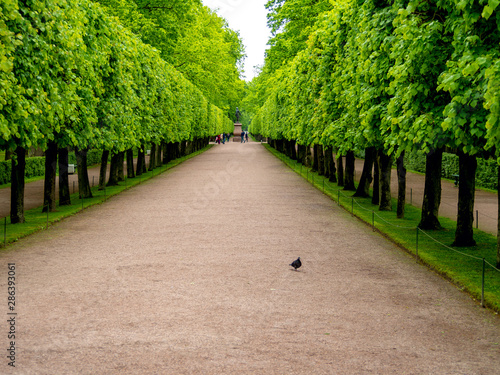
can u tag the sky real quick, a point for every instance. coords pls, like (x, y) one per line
(249, 18)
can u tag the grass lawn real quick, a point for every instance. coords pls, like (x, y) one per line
(462, 266)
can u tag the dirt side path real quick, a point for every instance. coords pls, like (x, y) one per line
(188, 274)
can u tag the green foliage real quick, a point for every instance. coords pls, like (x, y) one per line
(70, 72)
(404, 75)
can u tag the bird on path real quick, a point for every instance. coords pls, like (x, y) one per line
(296, 263)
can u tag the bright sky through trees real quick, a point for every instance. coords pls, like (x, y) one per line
(249, 18)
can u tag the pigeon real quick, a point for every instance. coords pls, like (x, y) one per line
(296, 263)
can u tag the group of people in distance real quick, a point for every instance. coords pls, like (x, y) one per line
(225, 137)
(221, 138)
(244, 137)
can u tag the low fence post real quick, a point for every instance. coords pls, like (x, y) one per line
(352, 206)
(373, 220)
(477, 219)
(5, 232)
(48, 209)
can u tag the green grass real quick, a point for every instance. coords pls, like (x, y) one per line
(36, 221)
(462, 266)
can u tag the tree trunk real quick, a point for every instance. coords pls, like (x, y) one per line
(17, 186)
(301, 154)
(498, 226)
(333, 169)
(385, 164)
(121, 161)
(183, 148)
(340, 171)
(64, 194)
(83, 176)
(432, 191)
(140, 162)
(103, 170)
(158, 154)
(464, 234)
(113, 169)
(376, 179)
(326, 166)
(130, 163)
(49, 186)
(293, 150)
(321, 161)
(315, 158)
(349, 171)
(165, 153)
(401, 186)
(152, 157)
(366, 179)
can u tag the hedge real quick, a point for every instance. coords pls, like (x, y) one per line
(486, 175)
(34, 167)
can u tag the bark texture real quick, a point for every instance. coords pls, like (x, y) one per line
(321, 160)
(376, 179)
(103, 170)
(366, 179)
(140, 162)
(385, 165)
(340, 171)
(49, 189)
(315, 164)
(113, 169)
(152, 158)
(432, 191)
(130, 163)
(349, 171)
(17, 186)
(464, 234)
(333, 169)
(83, 176)
(64, 193)
(401, 186)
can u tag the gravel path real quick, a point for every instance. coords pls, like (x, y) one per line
(486, 203)
(188, 274)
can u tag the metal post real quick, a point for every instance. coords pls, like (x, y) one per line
(73, 187)
(5, 231)
(482, 284)
(411, 196)
(352, 206)
(82, 202)
(373, 220)
(93, 178)
(323, 185)
(312, 179)
(48, 209)
(477, 219)
(338, 197)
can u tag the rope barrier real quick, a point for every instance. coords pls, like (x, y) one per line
(450, 248)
